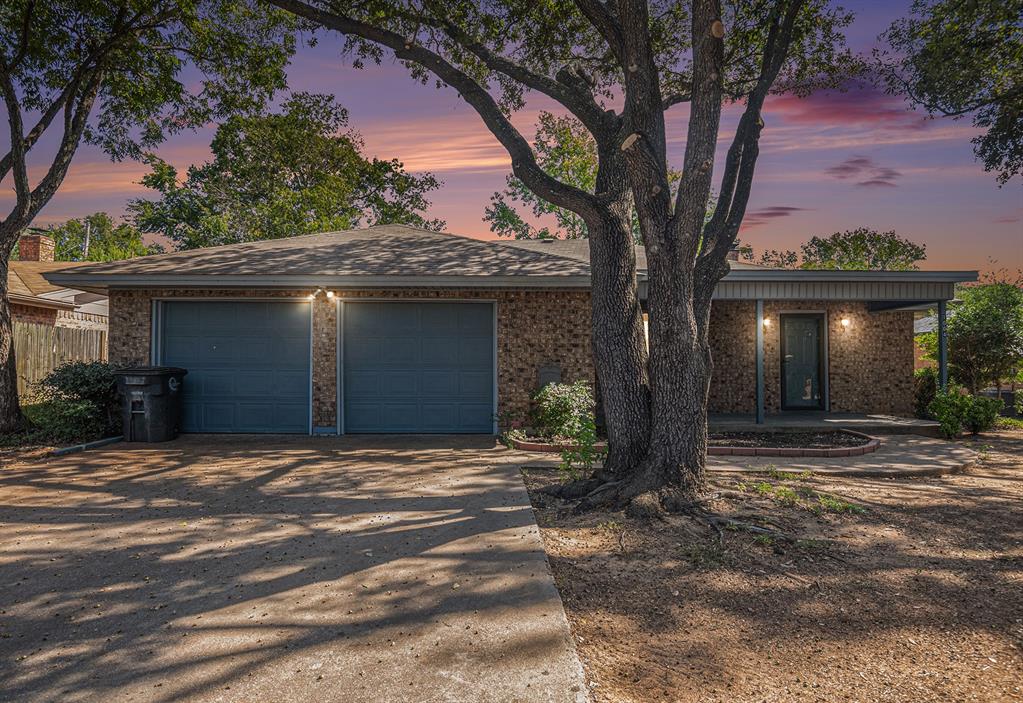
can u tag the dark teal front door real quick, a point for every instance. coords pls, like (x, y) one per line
(802, 362)
(247, 362)
(418, 367)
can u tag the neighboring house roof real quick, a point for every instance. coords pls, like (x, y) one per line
(399, 255)
(27, 285)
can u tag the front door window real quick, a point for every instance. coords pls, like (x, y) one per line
(801, 346)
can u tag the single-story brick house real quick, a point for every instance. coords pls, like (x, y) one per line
(397, 329)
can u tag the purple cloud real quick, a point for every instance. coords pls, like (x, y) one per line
(766, 214)
(866, 171)
(859, 103)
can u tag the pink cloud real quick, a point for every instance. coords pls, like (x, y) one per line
(860, 104)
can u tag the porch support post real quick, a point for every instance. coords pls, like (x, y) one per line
(942, 347)
(760, 361)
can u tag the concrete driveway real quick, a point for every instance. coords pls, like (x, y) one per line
(273, 569)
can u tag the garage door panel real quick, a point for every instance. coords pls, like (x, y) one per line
(217, 383)
(438, 417)
(291, 417)
(474, 318)
(476, 417)
(398, 383)
(440, 383)
(290, 385)
(440, 351)
(418, 367)
(248, 364)
(476, 352)
(362, 417)
(474, 385)
(218, 417)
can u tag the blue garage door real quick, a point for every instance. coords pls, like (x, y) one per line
(418, 367)
(247, 362)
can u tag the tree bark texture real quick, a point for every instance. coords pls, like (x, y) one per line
(10, 410)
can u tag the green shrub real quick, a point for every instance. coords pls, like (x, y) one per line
(982, 413)
(66, 420)
(559, 409)
(565, 412)
(924, 389)
(955, 410)
(1019, 403)
(949, 408)
(79, 382)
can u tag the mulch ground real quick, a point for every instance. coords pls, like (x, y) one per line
(806, 440)
(830, 588)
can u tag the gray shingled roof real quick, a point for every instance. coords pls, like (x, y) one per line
(383, 250)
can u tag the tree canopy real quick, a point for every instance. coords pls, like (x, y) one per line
(959, 59)
(98, 237)
(296, 171)
(985, 335)
(860, 249)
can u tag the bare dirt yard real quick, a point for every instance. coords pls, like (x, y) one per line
(849, 589)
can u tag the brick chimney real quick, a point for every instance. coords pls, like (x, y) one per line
(733, 254)
(35, 247)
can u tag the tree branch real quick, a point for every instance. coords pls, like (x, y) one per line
(600, 16)
(524, 164)
(574, 95)
(736, 183)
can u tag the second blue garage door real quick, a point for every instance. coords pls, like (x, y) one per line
(418, 367)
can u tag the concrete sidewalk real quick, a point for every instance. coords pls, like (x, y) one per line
(270, 569)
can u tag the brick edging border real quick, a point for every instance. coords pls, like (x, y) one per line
(869, 447)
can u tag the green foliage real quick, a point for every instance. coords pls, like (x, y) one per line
(565, 412)
(925, 387)
(985, 335)
(1019, 403)
(958, 58)
(862, 249)
(60, 420)
(107, 241)
(558, 408)
(565, 150)
(281, 175)
(138, 52)
(949, 408)
(75, 383)
(982, 413)
(956, 410)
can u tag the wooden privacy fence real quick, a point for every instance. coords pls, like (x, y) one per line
(38, 349)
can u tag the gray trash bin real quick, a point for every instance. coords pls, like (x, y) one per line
(150, 402)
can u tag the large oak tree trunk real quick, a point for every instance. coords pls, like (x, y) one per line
(10, 411)
(619, 345)
(672, 472)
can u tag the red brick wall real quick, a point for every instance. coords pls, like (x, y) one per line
(534, 328)
(36, 247)
(30, 313)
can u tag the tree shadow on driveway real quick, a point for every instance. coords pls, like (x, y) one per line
(237, 568)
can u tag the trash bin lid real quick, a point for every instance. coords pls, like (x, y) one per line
(151, 371)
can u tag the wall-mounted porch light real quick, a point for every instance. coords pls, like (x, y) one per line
(767, 322)
(846, 322)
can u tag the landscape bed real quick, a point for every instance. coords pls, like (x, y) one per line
(829, 443)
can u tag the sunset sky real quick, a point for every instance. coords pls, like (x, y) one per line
(830, 162)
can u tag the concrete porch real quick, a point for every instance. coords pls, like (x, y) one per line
(800, 421)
